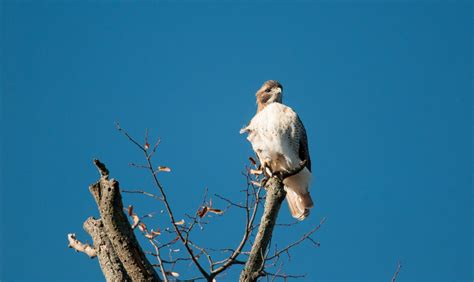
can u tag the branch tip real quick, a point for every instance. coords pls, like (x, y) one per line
(104, 172)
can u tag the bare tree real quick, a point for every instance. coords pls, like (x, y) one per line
(121, 258)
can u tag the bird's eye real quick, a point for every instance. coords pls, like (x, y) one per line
(268, 90)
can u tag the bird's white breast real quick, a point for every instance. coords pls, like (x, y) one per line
(271, 134)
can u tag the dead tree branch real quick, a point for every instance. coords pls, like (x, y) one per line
(81, 247)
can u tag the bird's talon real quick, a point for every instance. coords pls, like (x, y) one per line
(268, 171)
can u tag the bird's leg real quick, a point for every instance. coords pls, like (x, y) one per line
(280, 175)
(284, 174)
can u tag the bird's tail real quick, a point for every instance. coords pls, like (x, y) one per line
(299, 205)
(297, 195)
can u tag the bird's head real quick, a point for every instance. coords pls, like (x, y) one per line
(271, 91)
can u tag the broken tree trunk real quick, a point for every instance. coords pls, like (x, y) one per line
(109, 201)
(120, 256)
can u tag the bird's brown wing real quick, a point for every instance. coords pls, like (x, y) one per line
(303, 144)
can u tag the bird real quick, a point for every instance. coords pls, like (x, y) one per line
(279, 139)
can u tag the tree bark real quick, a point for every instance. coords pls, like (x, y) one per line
(255, 263)
(117, 228)
(109, 261)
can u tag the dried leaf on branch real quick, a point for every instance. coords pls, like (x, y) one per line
(181, 222)
(164, 169)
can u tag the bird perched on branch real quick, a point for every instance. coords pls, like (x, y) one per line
(279, 139)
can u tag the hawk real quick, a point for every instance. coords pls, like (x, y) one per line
(279, 139)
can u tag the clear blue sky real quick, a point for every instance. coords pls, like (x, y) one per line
(383, 88)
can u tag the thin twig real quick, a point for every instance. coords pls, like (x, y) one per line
(129, 137)
(142, 192)
(284, 276)
(303, 238)
(395, 275)
(230, 202)
(160, 262)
